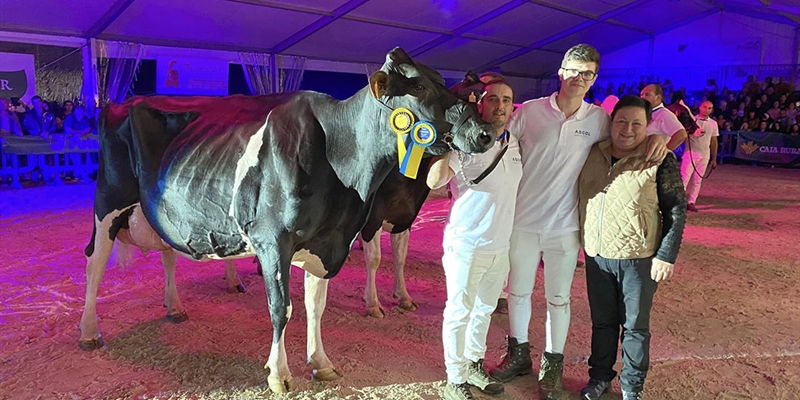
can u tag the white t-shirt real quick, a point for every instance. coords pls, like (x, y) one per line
(553, 150)
(664, 122)
(701, 146)
(481, 216)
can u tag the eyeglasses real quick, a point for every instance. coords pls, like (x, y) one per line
(586, 75)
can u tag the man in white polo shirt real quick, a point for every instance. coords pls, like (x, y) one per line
(701, 146)
(665, 122)
(555, 135)
(476, 243)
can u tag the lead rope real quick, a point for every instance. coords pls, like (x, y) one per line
(694, 167)
(448, 139)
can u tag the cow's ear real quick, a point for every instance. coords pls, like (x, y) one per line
(379, 84)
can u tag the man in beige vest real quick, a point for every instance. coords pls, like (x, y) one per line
(632, 217)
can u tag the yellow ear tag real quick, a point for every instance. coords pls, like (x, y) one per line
(401, 120)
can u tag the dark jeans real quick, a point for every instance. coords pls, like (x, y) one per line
(620, 294)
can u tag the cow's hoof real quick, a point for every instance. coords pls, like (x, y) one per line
(376, 312)
(177, 318)
(326, 374)
(237, 289)
(284, 386)
(408, 305)
(91, 344)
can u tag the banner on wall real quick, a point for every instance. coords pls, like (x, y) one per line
(191, 76)
(768, 147)
(17, 76)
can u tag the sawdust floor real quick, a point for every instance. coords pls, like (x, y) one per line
(727, 326)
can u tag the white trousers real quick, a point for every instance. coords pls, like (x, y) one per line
(474, 281)
(691, 182)
(560, 255)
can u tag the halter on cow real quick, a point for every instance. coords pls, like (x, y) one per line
(289, 178)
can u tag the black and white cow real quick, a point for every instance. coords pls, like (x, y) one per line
(396, 206)
(289, 178)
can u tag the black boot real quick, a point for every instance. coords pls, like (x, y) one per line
(516, 362)
(550, 376)
(595, 389)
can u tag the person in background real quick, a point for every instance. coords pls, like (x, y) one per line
(791, 112)
(665, 122)
(77, 122)
(632, 217)
(700, 154)
(9, 124)
(34, 123)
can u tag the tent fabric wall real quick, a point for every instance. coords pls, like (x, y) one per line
(524, 38)
(717, 40)
(724, 46)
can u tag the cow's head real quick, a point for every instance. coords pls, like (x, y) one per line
(403, 84)
(470, 88)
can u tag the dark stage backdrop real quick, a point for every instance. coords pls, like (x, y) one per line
(337, 84)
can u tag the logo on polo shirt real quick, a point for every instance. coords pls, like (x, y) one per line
(583, 133)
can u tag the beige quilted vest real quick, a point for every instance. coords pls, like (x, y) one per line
(619, 213)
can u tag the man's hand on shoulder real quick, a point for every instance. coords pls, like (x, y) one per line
(656, 150)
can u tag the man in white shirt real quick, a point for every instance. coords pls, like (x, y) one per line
(665, 122)
(555, 135)
(476, 243)
(701, 146)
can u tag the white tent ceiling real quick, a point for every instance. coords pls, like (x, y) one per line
(519, 37)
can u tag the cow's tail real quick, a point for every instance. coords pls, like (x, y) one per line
(123, 255)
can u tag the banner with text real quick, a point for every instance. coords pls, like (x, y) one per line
(768, 147)
(17, 76)
(191, 76)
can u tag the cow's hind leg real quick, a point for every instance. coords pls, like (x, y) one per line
(175, 312)
(276, 280)
(399, 255)
(97, 253)
(235, 285)
(316, 294)
(372, 256)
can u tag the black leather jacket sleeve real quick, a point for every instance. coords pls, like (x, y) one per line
(672, 203)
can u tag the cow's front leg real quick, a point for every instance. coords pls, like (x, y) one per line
(399, 255)
(276, 280)
(316, 294)
(372, 256)
(235, 284)
(175, 312)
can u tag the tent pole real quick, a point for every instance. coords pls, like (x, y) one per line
(795, 56)
(89, 55)
(273, 73)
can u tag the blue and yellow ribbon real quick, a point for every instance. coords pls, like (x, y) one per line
(422, 135)
(412, 138)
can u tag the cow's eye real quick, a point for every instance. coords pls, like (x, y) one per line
(419, 88)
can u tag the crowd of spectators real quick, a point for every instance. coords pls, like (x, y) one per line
(68, 127)
(42, 118)
(759, 106)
